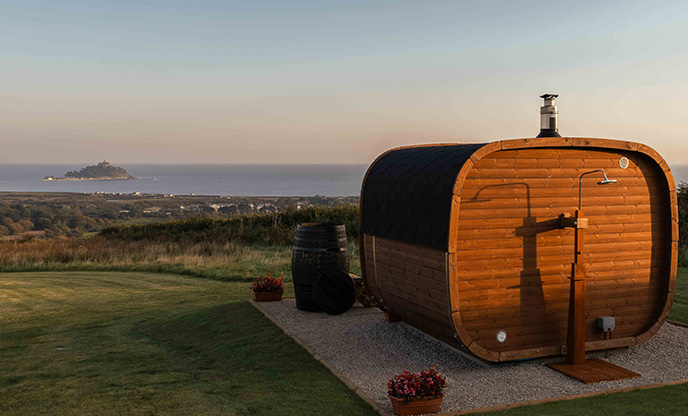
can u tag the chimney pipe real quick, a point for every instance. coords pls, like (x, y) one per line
(549, 117)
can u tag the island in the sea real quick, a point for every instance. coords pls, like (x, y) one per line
(103, 171)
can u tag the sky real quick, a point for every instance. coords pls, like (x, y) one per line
(331, 81)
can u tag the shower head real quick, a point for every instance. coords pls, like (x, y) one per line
(607, 182)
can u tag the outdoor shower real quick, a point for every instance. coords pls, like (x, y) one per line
(576, 365)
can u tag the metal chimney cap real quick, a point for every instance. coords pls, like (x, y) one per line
(549, 116)
(549, 96)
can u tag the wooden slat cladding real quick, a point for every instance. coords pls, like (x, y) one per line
(411, 281)
(512, 264)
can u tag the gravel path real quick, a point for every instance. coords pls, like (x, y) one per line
(369, 351)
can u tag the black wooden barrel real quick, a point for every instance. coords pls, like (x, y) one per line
(318, 247)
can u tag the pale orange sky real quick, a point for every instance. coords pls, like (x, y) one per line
(322, 82)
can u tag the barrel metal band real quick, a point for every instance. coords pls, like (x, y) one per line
(319, 250)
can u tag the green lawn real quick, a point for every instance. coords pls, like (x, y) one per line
(679, 311)
(113, 343)
(74, 343)
(662, 401)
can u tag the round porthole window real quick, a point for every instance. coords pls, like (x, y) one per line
(501, 335)
(623, 163)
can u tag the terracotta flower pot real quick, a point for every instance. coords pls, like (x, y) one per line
(403, 407)
(267, 296)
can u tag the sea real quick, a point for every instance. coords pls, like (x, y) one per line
(229, 180)
(185, 179)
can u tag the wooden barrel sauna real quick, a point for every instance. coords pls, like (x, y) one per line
(462, 242)
(318, 247)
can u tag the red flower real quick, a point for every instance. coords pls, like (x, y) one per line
(268, 283)
(416, 386)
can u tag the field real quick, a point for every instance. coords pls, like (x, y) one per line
(237, 248)
(151, 343)
(140, 343)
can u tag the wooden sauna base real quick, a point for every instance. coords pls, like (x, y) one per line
(594, 370)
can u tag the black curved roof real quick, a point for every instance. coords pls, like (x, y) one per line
(407, 194)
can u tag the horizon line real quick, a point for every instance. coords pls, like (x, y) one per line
(181, 163)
